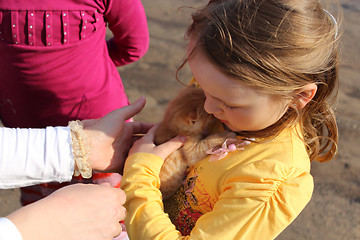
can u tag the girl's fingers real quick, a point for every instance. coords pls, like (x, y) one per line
(149, 136)
(146, 144)
(165, 149)
(152, 130)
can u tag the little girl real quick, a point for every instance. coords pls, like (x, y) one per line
(266, 68)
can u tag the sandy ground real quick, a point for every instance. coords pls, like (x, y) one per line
(334, 211)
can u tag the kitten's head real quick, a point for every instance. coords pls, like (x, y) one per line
(186, 114)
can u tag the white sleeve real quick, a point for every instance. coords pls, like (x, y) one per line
(33, 156)
(8, 230)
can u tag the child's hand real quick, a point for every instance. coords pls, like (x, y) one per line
(146, 145)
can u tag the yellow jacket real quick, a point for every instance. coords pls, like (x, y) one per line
(252, 194)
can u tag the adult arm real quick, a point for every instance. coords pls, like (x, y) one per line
(31, 156)
(127, 21)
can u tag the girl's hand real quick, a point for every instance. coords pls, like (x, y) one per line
(110, 137)
(146, 145)
(79, 211)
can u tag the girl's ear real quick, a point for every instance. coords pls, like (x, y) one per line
(306, 94)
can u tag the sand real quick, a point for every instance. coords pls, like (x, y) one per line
(334, 211)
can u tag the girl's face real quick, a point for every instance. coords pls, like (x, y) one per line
(240, 107)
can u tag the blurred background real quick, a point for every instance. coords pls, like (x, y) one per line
(334, 211)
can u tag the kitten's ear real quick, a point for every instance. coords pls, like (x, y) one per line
(192, 117)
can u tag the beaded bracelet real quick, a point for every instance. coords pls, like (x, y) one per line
(81, 149)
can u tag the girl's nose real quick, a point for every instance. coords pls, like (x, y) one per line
(211, 106)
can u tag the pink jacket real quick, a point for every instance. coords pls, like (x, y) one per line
(55, 64)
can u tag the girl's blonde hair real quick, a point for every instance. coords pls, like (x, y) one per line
(278, 47)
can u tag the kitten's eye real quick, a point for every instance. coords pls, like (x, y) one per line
(191, 122)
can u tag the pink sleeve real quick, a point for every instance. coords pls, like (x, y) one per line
(127, 21)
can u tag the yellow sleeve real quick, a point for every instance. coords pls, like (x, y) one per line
(145, 217)
(256, 201)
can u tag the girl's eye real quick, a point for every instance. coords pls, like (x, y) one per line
(230, 107)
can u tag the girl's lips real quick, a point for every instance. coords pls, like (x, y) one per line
(223, 121)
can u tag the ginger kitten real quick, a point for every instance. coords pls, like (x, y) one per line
(185, 115)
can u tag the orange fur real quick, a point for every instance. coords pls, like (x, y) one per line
(185, 115)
